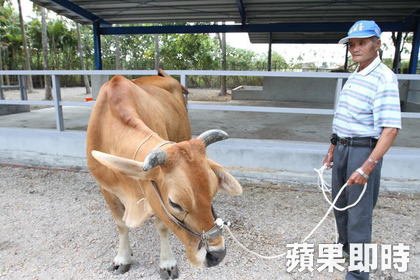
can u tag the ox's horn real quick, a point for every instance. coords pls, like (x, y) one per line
(153, 159)
(213, 135)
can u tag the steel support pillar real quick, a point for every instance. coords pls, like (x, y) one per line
(97, 46)
(270, 39)
(414, 58)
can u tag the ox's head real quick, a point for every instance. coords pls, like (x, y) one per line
(179, 183)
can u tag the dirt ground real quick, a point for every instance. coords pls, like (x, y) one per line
(55, 225)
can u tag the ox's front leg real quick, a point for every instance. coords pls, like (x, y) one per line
(123, 259)
(167, 264)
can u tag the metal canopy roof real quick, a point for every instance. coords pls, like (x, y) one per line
(288, 21)
(296, 37)
(239, 11)
(396, 15)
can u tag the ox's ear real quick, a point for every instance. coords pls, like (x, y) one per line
(227, 182)
(127, 166)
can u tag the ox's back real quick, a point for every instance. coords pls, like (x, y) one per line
(125, 113)
(166, 82)
(124, 108)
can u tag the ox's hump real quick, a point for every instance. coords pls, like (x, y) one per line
(122, 95)
(118, 79)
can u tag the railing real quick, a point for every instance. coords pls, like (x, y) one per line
(20, 86)
(58, 103)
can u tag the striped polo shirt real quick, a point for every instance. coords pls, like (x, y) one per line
(368, 102)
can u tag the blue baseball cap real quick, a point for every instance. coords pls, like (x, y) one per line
(362, 29)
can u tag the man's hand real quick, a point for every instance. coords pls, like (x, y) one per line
(328, 158)
(356, 179)
(388, 136)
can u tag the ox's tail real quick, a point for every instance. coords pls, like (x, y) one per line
(185, 93)
(162, 73)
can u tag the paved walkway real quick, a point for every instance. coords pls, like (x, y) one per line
(248, 125)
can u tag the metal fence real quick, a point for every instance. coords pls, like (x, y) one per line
(58, 103)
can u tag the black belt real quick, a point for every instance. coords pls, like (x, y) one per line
(358, 141)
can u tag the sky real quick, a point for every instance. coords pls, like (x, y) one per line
(333, 54)
(317, 53)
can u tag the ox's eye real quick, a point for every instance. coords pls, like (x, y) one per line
(175, 205)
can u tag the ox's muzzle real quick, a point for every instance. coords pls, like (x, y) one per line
(213, 257)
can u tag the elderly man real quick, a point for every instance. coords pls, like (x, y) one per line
(366, 122)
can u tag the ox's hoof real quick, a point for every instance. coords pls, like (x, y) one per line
(119, 268)
(169, 273)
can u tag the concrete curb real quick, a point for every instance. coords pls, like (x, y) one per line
(249, 159)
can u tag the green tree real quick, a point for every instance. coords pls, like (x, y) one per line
(34, 35)
(29, 84)
(63, 44)
(278, 62)
(189, 51)
(10, 38)
(87, 44)
(82, 61)
(222, 43)
(241, 59)
(176, 51)
(44, 38)
(157, 51)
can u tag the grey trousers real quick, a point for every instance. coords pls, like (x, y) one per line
(355, 224)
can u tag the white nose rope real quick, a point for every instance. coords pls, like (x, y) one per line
(324, 188)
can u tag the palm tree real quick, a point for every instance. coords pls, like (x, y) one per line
(48, 94)
(82, 61)
(1, 68)
(117, 41)
(1, 77)
(29, 84)
(10, 38)
(157, 51)
(222, 43)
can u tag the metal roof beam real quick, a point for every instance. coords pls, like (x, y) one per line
(271, 27)
(70, 6)
(242, 12)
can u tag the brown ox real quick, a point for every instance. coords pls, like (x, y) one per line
(142, 174)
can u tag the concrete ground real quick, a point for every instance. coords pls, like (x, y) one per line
(247, 125)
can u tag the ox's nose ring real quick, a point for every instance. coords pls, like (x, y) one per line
(213, 233)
